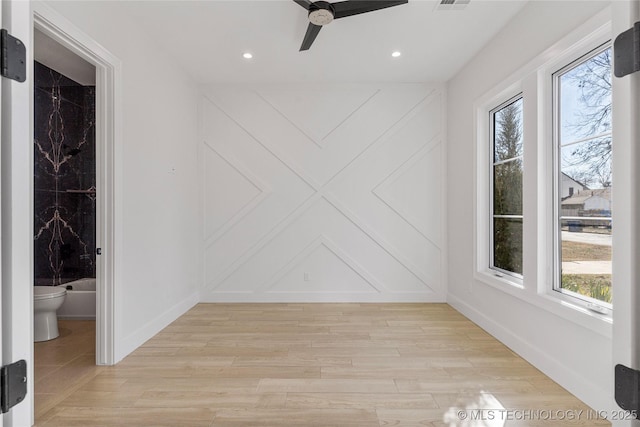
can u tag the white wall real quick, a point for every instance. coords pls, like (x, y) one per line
(597, 203)
(339, 183)
(159, 274)
(567, 183)
(576, 356)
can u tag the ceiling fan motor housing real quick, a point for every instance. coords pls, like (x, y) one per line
(321, 13)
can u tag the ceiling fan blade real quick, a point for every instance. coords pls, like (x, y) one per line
(356, 7)
(304, 3)
(310, 36)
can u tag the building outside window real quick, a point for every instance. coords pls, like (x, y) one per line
(583, 144)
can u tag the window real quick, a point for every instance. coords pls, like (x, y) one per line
(582, 134)
(556, 112)
(506, 184)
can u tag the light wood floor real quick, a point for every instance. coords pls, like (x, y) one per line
(298, 365)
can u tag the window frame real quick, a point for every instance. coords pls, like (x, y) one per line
(483, 194)
(579, 56)
(500, 272)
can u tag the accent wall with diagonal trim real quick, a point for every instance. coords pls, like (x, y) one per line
(324, 193)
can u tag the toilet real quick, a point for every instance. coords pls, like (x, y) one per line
(46, 301)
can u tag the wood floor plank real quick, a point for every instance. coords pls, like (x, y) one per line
(411, 417)
(464, 385)
(411, 362)
(212, 400)
(292, 361)
(327, 385)
(127, 417)
(361, 400)
(171, 361)
(296, 418)
(101, 399)
(390, 372)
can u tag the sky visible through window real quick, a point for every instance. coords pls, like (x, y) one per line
(585, 115)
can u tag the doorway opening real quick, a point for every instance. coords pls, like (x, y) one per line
(77, 149)
(64, 200)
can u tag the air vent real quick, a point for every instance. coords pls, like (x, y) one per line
(452, 4)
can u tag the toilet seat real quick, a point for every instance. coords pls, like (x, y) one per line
(47, 292)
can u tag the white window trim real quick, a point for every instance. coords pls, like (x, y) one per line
(594, 41)
(484, 189)
(534, 82)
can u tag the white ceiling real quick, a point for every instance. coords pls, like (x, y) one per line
(209, 37)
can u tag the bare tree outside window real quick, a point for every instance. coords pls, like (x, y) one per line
(507, 187)
(588, 87)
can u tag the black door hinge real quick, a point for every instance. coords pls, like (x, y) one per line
(13, 59)
(13, 382)
(627, 389)
(626, 52)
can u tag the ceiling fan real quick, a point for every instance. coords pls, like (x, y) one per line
(322, 12)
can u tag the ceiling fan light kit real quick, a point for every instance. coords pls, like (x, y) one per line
(322, 13)
(320, 17)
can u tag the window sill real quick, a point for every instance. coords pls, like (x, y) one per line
(578, 306)
(500, 281)
(552, 302)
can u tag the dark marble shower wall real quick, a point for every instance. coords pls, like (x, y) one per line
(64, 182)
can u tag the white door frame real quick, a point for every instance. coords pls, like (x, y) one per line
(17, 212)
(108, 69)
(626, 208)
(2, 360)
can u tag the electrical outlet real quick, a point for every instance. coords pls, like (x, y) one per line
(307, 276)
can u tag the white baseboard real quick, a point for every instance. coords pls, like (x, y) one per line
(131, 342)
(591, 394)
(311, 297)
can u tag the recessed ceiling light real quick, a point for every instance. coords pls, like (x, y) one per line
(396, 54)
(247, 55)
